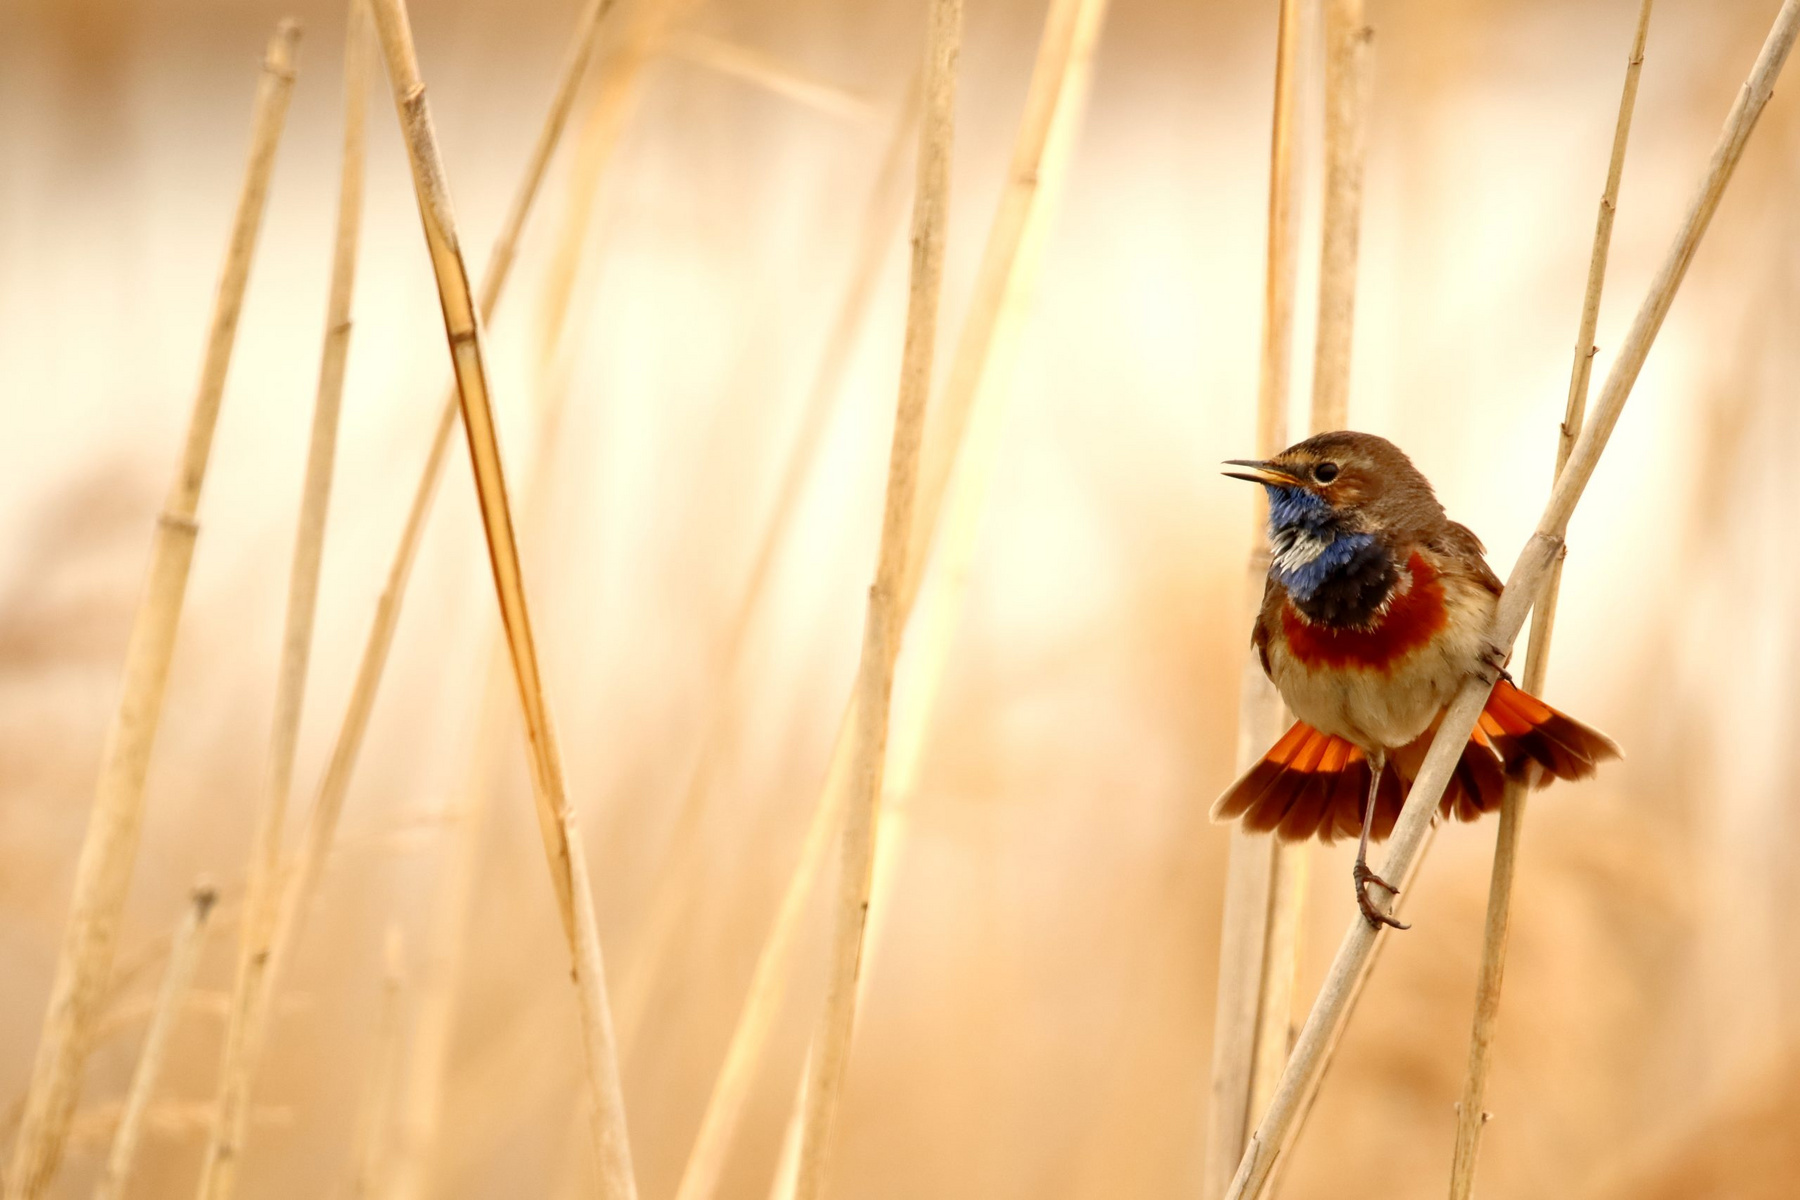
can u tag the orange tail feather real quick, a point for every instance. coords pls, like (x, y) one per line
(1538, 743)
(1309, 784)
(1312, 784)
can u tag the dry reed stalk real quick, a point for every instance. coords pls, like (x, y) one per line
(1258, 926)
(787, 1165)
(422, 1091)
(616, 91)
(882, 626)
(931, 630)
(1329, 1055)
(1004, 284)
(1471, 1114)
(1522, 588)
(168, 1120)
(184, 957)
(771, 74)
(258, 926)
(371, 1137)
(307, 868)
(671, 892)
(1347, 81)
(562, 846)
(103, 874)
(933, 621)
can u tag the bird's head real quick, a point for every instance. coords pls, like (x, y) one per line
(1334, 497)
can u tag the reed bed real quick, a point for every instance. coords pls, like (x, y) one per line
(1045, 972)
(275, 941)
(110, 850)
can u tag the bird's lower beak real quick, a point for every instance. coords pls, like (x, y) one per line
(1260, 472)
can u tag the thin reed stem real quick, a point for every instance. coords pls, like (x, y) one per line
(1329, 1055)
(1347, 84)
(1005, 283)
(264, 888)
(647, 25)
(103, 874)
(308, 865)
(882, 626)
(772, 75)
(1256, 958)
(1522, 588)
(184, 957)
(422, 1097)
(932, 626)
(561, 844)
(672, 891)
(373, 1122)
(1471, 1112)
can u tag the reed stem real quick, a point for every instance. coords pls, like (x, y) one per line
(1347, 84)
(561, 843)
(178, 978)
(306, 870)
(263, 896)
(1256, 937)
(671, 891)
(1006, 278)
(772, 75)
(109, 851)
(882, 626)
(373, 1122)
(1523, 585)
(1471, 1112)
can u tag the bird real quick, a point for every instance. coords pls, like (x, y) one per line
(1376, 610)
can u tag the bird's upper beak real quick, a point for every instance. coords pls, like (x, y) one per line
(1257, 471)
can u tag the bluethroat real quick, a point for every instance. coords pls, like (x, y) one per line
(1376, 610)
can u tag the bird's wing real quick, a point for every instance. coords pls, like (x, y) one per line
(1459, 543)
(1273, 596)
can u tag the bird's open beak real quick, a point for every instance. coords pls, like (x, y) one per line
(1256, 471)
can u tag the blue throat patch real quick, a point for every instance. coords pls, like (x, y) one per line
(1307, 548)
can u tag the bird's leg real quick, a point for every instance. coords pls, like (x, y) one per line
(1361, 873)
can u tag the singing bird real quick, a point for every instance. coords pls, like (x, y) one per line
(1377, 609)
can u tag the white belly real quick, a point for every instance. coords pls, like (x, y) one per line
(1386, 708)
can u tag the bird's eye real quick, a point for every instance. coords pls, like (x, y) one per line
(1325, 472)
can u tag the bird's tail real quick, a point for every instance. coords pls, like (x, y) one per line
(1312, 784)
(1539, 744)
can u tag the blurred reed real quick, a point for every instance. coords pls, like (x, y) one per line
(257, 930)
(303, 875)
(562, 842)
(178, 977)
(1471, 1112)
(1264, 879)
(109, 852)
(774, 970)
(887, 612)
(374, 1120)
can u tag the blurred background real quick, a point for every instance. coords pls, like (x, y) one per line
(1040, 999)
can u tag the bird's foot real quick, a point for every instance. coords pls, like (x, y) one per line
(1374, 916)
(1490, 665)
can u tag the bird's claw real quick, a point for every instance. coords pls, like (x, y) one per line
(1490, 665)
(1374, 916)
